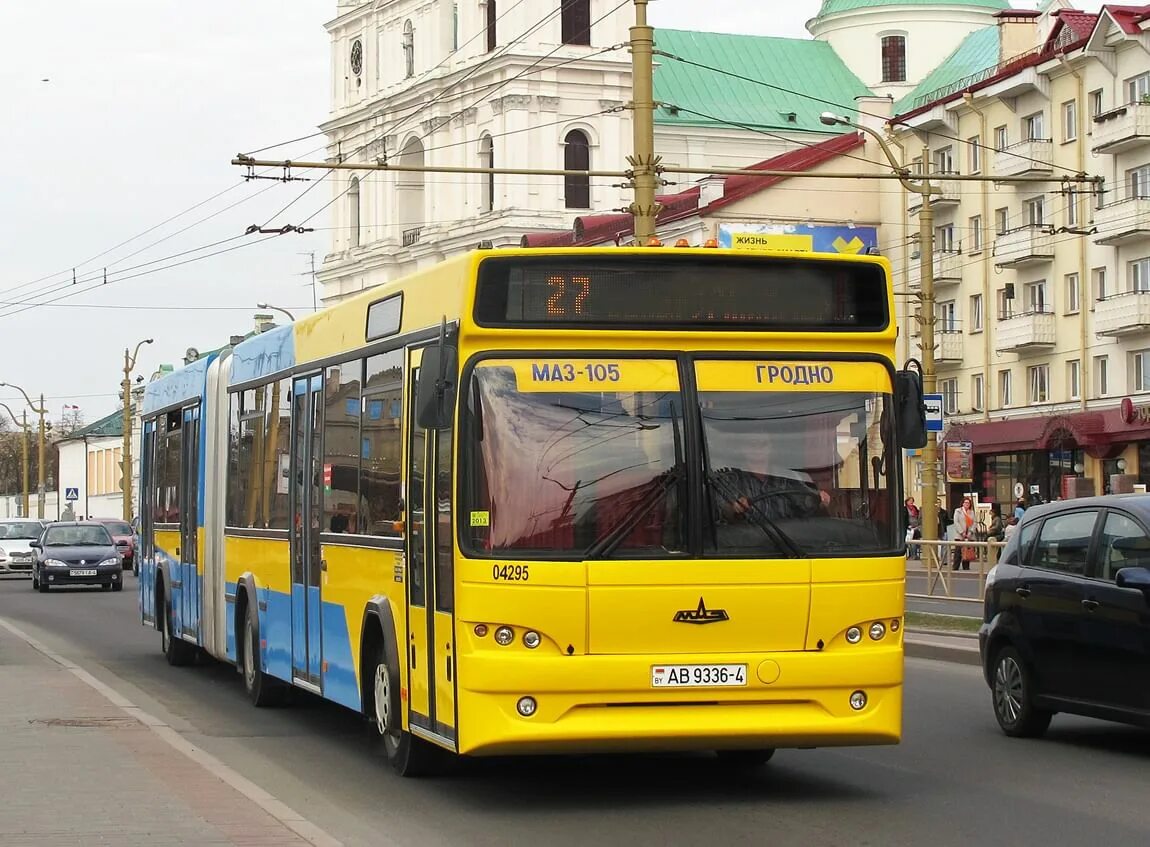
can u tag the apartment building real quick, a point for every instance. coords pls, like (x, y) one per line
(1043, 290)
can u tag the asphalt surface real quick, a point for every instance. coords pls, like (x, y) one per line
(955, 780)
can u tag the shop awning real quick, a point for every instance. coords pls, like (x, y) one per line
(1099, 433)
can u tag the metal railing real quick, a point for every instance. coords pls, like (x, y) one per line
(938, 577)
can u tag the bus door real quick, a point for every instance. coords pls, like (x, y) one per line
(307, 506)
(189, 524)
(430, 575)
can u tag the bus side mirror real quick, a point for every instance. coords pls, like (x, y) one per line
(435, 394)
(910, 410)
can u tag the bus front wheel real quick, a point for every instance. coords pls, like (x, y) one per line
(177, 651)
(263, 690)
(407, 755)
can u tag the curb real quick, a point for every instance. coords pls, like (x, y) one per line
(940, 652)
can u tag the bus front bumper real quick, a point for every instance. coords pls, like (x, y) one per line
(607, 703)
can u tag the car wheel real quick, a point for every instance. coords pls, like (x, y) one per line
(118, 585)
(105, 586)
(42, 585)
(1012, 690)
(745, 759)
(35, 582)
(263, 690)
(408, 756)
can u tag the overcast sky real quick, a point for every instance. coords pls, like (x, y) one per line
(121, 114)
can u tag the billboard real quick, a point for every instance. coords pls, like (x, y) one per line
(829, 238)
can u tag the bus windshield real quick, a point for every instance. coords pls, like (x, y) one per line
(559, 464)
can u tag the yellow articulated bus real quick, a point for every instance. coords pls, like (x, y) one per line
(546, 501)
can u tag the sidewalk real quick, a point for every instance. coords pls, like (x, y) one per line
(76, 769)
(960, 648)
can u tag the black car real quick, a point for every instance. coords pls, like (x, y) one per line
(75, 553)
(1067, 615)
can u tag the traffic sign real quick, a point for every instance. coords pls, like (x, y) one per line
(71, 494)
(933, 404)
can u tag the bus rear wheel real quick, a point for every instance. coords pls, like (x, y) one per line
(745, 759)
(263, 690)
(177, 651)
(407, 755)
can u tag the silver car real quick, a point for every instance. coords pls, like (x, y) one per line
(15, 540)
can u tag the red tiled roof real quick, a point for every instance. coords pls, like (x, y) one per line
(597, 229)
(1081, 23)
(1128, 17)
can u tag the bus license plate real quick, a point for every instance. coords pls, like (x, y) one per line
(698, 676)
(83, 572)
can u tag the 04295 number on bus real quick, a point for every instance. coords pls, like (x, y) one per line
(510, 573)
(557, 372)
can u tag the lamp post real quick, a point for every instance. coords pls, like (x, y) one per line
(41, 411)
(126, 452)
(925, 190)
(23, 453)
(290, 316)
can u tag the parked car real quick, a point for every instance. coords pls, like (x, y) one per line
(125, 538)
(1067, 615)
(77, 553)
(15, 544)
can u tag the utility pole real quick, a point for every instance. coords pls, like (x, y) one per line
(23, 453)
(41, 411)
(126, 450)
(644, 163)
(314, 300)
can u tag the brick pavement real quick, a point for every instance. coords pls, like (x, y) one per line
(75, 769)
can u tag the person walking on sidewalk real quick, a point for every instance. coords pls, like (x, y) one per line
(963, 531)
(914, 531)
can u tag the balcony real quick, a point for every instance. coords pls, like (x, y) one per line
(1123, 222)
(1122, 129)
(947, 346)
(1028, 332)
(1122, 314)
(947, 270)
(1027, 245)
(1026, 157)
(949, 193)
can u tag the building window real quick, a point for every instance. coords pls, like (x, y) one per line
(492, 16)
(1138, 183)
(408, 49)
(949, 390)
(1138, 89)
(1036, 211)
(977, 393)
(1034, 127)
(1071, 208)
(1074, 379)
(1001, 138)
(1073, 304)
(1001, 221)
(1070, 120)
(944, 238)
(487, 160)
(976, 313)
(454, 26)
(1038, 379)
(1098, 282)
(353, 208)
(1005, 304)
(1101, 376)
(947, 316)
(1096, 103)
(975, 226)
(975, 148)
(894, 58)
(1005, 390)
(1141, 371)
(944, 161)
(1139, 275)
(576, 22)
(1036, 297)
(577, 157)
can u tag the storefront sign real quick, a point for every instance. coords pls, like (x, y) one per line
(799, 238)
(960, 461)
(1132, 414)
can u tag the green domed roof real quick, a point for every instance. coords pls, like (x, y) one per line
(831, 7)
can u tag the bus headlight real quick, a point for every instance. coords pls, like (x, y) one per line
(858, 700)
(526, 706)
(531, 639)
(504, 636)
(877, 631)
(854, 635)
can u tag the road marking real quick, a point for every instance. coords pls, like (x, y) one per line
(294, 821)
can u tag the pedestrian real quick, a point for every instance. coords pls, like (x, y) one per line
(1019, 508)
(68, 514)
(996, 529)
(963, 531)
(913, 523)
(944, 534)
(1011, 529)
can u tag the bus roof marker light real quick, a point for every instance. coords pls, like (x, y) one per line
(504, 636)
(711, 243)
(682, 242)
(654, 242)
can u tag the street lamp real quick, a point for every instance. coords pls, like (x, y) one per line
(126, 452)
(291, 317)
(41, 411)
(23, 452)
(925, 190)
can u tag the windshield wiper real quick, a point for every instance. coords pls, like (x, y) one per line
(756, 515)
(657, 490)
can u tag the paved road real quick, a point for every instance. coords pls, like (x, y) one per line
(954, 781)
